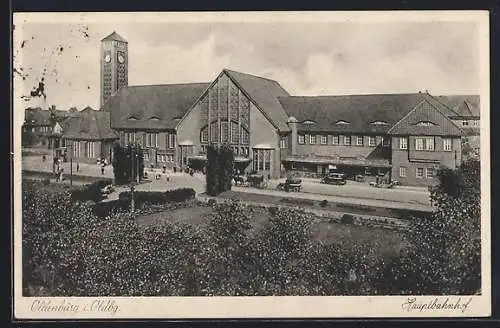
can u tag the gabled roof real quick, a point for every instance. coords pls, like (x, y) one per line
(38, 117)
(352, 113)
(90, 125)
(425, 119)
(152, 106)
(464, 109)
(264, 93)
(455, 101)
(114, 37)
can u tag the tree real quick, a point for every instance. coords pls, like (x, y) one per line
(445, 256)
(128, 162)
(220, 169)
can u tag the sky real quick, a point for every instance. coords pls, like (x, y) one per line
(306, 57)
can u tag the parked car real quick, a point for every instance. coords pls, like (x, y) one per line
(290, 184)
(106, 190)
(335, 178)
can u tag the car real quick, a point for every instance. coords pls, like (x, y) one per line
(335, 179)
(107, 190)
(290, 184)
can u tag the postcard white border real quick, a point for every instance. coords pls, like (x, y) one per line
(266, 307)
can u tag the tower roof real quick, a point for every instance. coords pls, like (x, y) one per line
(114, 37)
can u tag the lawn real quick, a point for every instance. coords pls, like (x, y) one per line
(384, 242)
(308, 203)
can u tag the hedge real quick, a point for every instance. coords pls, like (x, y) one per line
(154, 198)
(91, 191)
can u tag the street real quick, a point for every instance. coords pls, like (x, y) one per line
(352, 192)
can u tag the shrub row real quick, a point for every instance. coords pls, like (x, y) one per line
(155, 198)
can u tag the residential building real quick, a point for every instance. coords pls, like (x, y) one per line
(86, 136)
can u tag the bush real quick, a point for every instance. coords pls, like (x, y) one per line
(323, 203)
(212, 202)
(273, 210)
(126, 160)
(347, 219)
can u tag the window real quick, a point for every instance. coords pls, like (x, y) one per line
(335, 140)
(386, 141)
(429, 173)
(342, 122)
(429, 144)
(359, 140)
(91, 149)
(245, 137)
(447, 144)
(204, 135)
(261, 159)
(224, 131)
(151, 139)
(403, 143)
(379, 123)
(420, 172)
(312, 140)
(301, 139)
(402, 171)
(465, 123)
(171, 142)
(76, 148)
(425, 123)
(347, 140)
(324, 140)
(283, 143)
(372, 141)
(146, 156)
(424, 143)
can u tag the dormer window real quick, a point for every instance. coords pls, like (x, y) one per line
(132, 118)
(425, 123)
(341, 122)
(308, 122)
(154, 118)
(379, 123)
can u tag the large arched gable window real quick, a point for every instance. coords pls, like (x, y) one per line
(228, 132)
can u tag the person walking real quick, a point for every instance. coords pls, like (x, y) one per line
(77, 166)
(102, 168)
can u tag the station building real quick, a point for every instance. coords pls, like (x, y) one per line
(404, 137)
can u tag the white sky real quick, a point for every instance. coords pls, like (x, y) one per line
(307, 58)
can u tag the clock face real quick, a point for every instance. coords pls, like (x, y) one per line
(121, 59)
(107, 58)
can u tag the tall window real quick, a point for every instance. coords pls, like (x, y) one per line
(465, 123)
(403, 144)
(386, 141)
(204, 135)
(372, 141)
(335, 140)
(245, 137)
(261, 159)
(91, 149)
(171, 140)
(419, 143)
(301, 139)
(359, 140)
(347, 140)
(429, 172)
(151, 139)
(312, 139)
(324, 140)
(447, 144)
(224, 132)
(429, 144)
(283, 143)
(76, 149)
(420, 172)
(402, 171)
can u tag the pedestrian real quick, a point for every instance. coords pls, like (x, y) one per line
(44, 158)
(77, 166)
(102, 169)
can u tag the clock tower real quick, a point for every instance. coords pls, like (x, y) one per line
(114, 65)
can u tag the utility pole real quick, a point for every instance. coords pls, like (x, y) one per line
(132, 203)
(71, 166)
